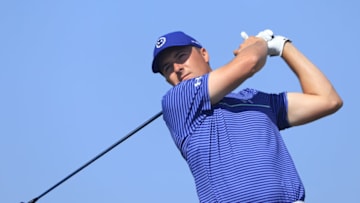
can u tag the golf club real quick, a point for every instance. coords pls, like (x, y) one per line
(96, 157)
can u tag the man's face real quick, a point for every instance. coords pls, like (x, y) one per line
(182, 63)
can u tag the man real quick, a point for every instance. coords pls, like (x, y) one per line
(231, 141)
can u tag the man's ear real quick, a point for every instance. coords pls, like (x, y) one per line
(205, 54)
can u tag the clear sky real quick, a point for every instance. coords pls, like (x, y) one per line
(75, 77)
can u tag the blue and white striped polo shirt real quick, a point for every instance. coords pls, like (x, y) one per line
(234, 148)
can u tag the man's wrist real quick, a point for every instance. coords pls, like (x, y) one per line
(287, 49)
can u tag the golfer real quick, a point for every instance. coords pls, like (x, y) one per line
(231, 141)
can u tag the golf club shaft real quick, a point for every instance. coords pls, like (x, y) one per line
(97, 157)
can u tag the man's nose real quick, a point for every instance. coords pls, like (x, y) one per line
(178, 67)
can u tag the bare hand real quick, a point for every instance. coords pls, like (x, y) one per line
(247, 42)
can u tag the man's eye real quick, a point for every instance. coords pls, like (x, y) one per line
(166, 68)
(182, 57)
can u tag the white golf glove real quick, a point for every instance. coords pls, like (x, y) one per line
(275, 43)
(267, 35)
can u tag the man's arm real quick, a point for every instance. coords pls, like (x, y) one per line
(250, 58)
(319, 98)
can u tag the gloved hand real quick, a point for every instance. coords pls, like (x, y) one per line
(275, 43)
(267, 35)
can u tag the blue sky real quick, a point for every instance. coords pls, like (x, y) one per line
(75, 77)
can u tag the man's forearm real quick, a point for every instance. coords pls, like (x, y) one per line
(312, 80)
(314, 83)
(250, 58)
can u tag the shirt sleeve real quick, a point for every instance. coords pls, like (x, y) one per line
(276, 105)
(184, 106)
(279, 106)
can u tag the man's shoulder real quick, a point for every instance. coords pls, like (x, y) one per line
(187, 87)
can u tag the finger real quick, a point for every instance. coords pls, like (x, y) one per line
(269, 32)
(266, 35)
(235, 52)
(244, 35)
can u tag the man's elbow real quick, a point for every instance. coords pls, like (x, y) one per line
(335, 104)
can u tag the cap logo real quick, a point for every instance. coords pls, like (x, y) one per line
(161, 41)
(195, 42)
